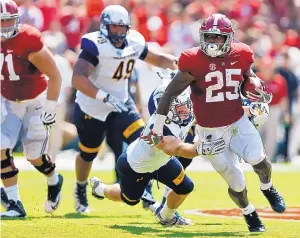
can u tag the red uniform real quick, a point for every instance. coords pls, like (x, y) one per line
(20, 79)
(215, 93)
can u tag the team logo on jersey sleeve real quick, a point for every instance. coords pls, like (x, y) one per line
(212, 67)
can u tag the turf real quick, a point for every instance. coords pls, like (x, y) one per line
(108, 219)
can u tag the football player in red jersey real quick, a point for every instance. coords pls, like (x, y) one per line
(215, 71)
(26, 106)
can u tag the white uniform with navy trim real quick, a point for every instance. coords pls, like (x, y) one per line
(144, 158)
(113, 70)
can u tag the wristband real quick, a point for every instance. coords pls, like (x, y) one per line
(50, 106)
(101, 95)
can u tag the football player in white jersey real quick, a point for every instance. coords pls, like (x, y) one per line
(101, 75)
(142, 162)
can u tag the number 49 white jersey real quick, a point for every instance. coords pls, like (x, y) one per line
(113, 70)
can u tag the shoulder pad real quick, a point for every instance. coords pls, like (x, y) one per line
(135, 36)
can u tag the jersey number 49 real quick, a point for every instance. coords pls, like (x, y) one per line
(124, 70)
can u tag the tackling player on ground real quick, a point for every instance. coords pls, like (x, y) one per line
(27, 106)
(101, 77)
(142, 162)
(215, 71)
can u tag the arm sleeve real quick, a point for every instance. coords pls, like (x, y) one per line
(144, 52)
(34, 40)
(184, 64)
(248, 56)
(89, 51)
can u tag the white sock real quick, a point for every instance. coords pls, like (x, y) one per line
(166, 191)
(167, 213)
(265, 186)
(13, 192)
(53, 179)
(81, 182)
(154, 206)
(249, 209)
(100, 190)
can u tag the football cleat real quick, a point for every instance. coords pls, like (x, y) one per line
(14, 210)
(174, 221)
(54, 195)
(95, 183)
(4, 199)
(275, 199)
(147, 200)
(254, 223)
(81, 202)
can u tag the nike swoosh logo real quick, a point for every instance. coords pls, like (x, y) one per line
(232, 63)
(37, 108)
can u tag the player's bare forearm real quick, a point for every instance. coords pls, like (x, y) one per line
(179, 83)
(186, 150)
(80, 80)
(171, 145)
(161, 60)
(44, 61)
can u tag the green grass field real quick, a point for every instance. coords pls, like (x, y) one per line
(108, 219)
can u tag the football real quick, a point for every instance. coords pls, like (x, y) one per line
(249, 88)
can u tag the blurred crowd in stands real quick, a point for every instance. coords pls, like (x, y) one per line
(270, 27)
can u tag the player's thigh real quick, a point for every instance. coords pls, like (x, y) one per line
(114, 140)
(129, 123)
(246, 142)
(90, 131)
(12, 115)
(132, 183)
(228, 166)
(173, 175)
(35, 137)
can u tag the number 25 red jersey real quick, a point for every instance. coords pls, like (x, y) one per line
(215, 93)
(20, 79)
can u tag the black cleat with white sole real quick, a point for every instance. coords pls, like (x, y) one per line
(54, 195)
(14, 210)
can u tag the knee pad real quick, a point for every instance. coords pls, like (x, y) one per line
(238, 186)
(47, 166)
(8, 162)
(129, 201)
(185, 187)
(88, 157)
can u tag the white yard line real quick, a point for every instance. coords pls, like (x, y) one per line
(66, 161)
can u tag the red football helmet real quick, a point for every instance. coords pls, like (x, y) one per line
(10, 19)
(216, 24)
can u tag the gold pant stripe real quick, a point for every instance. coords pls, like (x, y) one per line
(179, 178)
(129, 200)
(133, 128)
(87, 149)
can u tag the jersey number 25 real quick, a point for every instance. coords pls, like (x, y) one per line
(220, 96)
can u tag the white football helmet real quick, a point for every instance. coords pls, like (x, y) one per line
(181, 109)
(259, 112)
(10, 20)
(114, 15)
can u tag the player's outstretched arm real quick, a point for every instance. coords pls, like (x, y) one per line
(161, 60)
(44, 61)
(171, 145)
(179, 83)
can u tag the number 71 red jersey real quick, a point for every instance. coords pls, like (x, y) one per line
(215, 92)
(20, 79)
